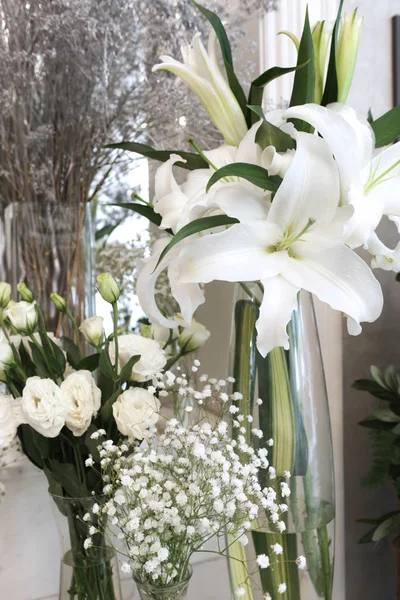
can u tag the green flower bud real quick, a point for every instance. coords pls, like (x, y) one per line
(58, 302)
(5, 294)
(346, 53)
(25, 292)
(146, 331)
(108, 288)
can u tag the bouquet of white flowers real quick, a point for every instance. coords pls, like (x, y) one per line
(279, 208)
(170, 495)
(60, 399)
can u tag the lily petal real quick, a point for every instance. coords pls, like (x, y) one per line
(383, 179)
(242, 201)
(340, 278)
(146, 281)
(169, 199)
(240, 253)
(341, 138)
(280, 300)
(310, 189)
(188, 295)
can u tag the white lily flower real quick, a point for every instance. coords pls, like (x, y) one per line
(180, 204)
(369, 183)
(189, 296)
(297, 246)
(200, 70)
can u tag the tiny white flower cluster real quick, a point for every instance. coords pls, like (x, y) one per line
(175, 491)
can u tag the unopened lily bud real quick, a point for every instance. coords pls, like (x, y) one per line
(108, 288)
(92, 330)
(5, 293)
(58, 302)
(193, 337)
(25, 292)
(346, 54)
(321, 34)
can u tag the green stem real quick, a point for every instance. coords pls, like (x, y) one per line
(77, 332)
(173, 360)
(115, 326)
(250, 293)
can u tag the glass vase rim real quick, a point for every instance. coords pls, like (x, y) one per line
(172, 587)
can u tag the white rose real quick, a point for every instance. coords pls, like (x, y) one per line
(43, 406)
(193, 337)
(152, 357)
(92, 330)
(6, 358)
(8, 419)
(21, 314)
(82, 398)
(135, 411)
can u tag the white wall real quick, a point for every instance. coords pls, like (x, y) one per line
(371, 572)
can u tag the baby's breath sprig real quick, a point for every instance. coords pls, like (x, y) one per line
(192, 482)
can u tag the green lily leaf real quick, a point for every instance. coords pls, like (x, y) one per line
(257, 87)
(331, 91)
(253, 173)
(107, 230)
(270, 135)
(193, 161)
(195, 227)
(221, 34)
(387, 127)
(141, 209)
(304, 80)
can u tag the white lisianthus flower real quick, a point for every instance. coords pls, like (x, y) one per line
(152, 357)
(193, 337)
(135, 411)
(92, 330)
(22, 315)
(43, 406)
(82, 398)
(200, 70)
(9, 420)
(6, 358)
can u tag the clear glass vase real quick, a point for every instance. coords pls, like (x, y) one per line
(176, 591)
(294, 413)
(50, 246)
(86, 573)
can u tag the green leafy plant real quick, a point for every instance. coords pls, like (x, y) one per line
(384, 427)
